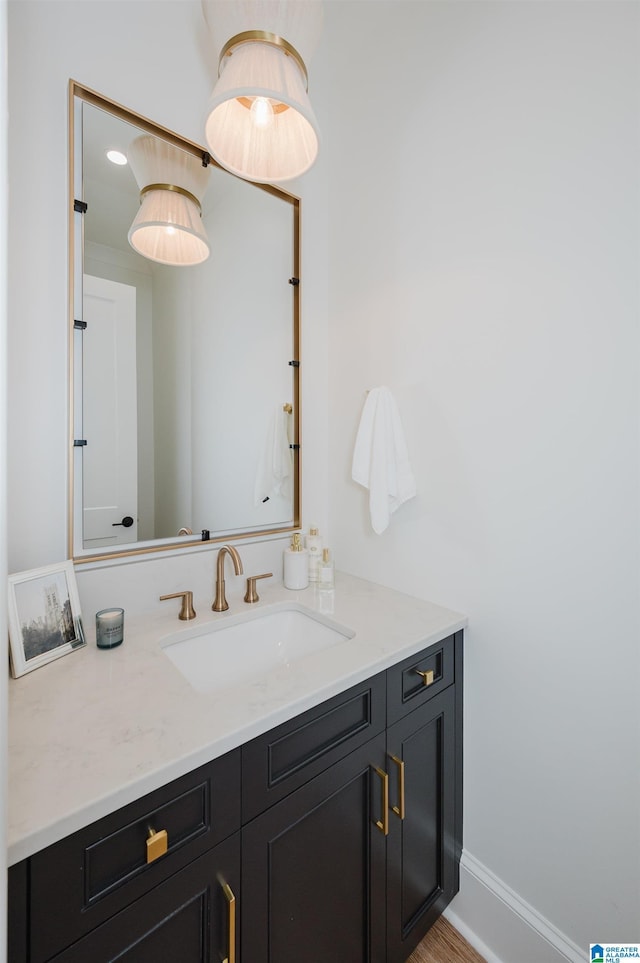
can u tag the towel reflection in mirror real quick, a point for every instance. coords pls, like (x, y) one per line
(275, 468)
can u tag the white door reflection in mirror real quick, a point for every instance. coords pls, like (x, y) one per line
(110, 472)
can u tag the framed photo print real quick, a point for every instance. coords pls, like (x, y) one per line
(44, 616)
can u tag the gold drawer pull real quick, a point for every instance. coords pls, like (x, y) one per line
(383, 824)
(399, 809)
(231, 906)
(427, 677)
(157, 844)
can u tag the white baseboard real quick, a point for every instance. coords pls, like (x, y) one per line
(501, 926)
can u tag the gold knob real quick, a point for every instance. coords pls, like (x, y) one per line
(187, 610)
(157, 844)
(427, 677)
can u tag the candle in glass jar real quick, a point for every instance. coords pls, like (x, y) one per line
(109, 628)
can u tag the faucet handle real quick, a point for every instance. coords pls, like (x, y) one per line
(251, 594)
(187, 610)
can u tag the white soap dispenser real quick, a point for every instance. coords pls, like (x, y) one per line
(296, 565)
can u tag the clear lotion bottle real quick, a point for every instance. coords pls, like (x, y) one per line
(325, 571)
(313, 542)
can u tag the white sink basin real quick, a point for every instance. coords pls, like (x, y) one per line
(242, 649)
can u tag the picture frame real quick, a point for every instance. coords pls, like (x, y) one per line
(44, 616)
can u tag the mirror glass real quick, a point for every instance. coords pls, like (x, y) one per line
(185, 399)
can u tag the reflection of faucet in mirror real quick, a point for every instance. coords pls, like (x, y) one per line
(220, 603)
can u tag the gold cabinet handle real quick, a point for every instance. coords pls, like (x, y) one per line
(427, 677)
(383, 824)
(157, 844)
(399, 809)
(231, 908)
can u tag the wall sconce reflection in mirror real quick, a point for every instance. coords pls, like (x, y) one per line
(260, 123)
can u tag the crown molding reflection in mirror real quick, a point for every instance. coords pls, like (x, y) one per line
(184, 380)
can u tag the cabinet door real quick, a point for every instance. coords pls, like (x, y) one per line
(422, 875)
(313, 869)
(190, 917)
(84, 880)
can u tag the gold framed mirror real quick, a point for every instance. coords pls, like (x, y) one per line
(184, 378)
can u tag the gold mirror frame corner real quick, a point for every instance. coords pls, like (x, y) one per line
(79, 92)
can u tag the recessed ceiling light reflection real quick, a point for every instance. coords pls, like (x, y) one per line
(116, 157)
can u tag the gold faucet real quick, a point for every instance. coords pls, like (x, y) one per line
(220, 603)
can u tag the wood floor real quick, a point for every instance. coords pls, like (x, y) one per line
(443, 944)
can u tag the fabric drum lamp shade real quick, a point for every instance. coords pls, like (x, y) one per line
(260, 123)
(168, 227)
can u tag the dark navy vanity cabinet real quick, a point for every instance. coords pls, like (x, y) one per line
(335, 836)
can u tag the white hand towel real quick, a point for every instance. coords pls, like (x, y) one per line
(275, 469)
(380, 458)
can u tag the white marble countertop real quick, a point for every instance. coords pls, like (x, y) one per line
(97, 729)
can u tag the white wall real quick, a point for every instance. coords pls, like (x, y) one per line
(484, 250)
(173, 321)
(240, 349)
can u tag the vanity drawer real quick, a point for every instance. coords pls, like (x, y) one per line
(417, 679)
(275, 764)
(105, 866)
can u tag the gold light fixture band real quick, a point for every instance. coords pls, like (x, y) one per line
(264, 36)
(171, 187)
